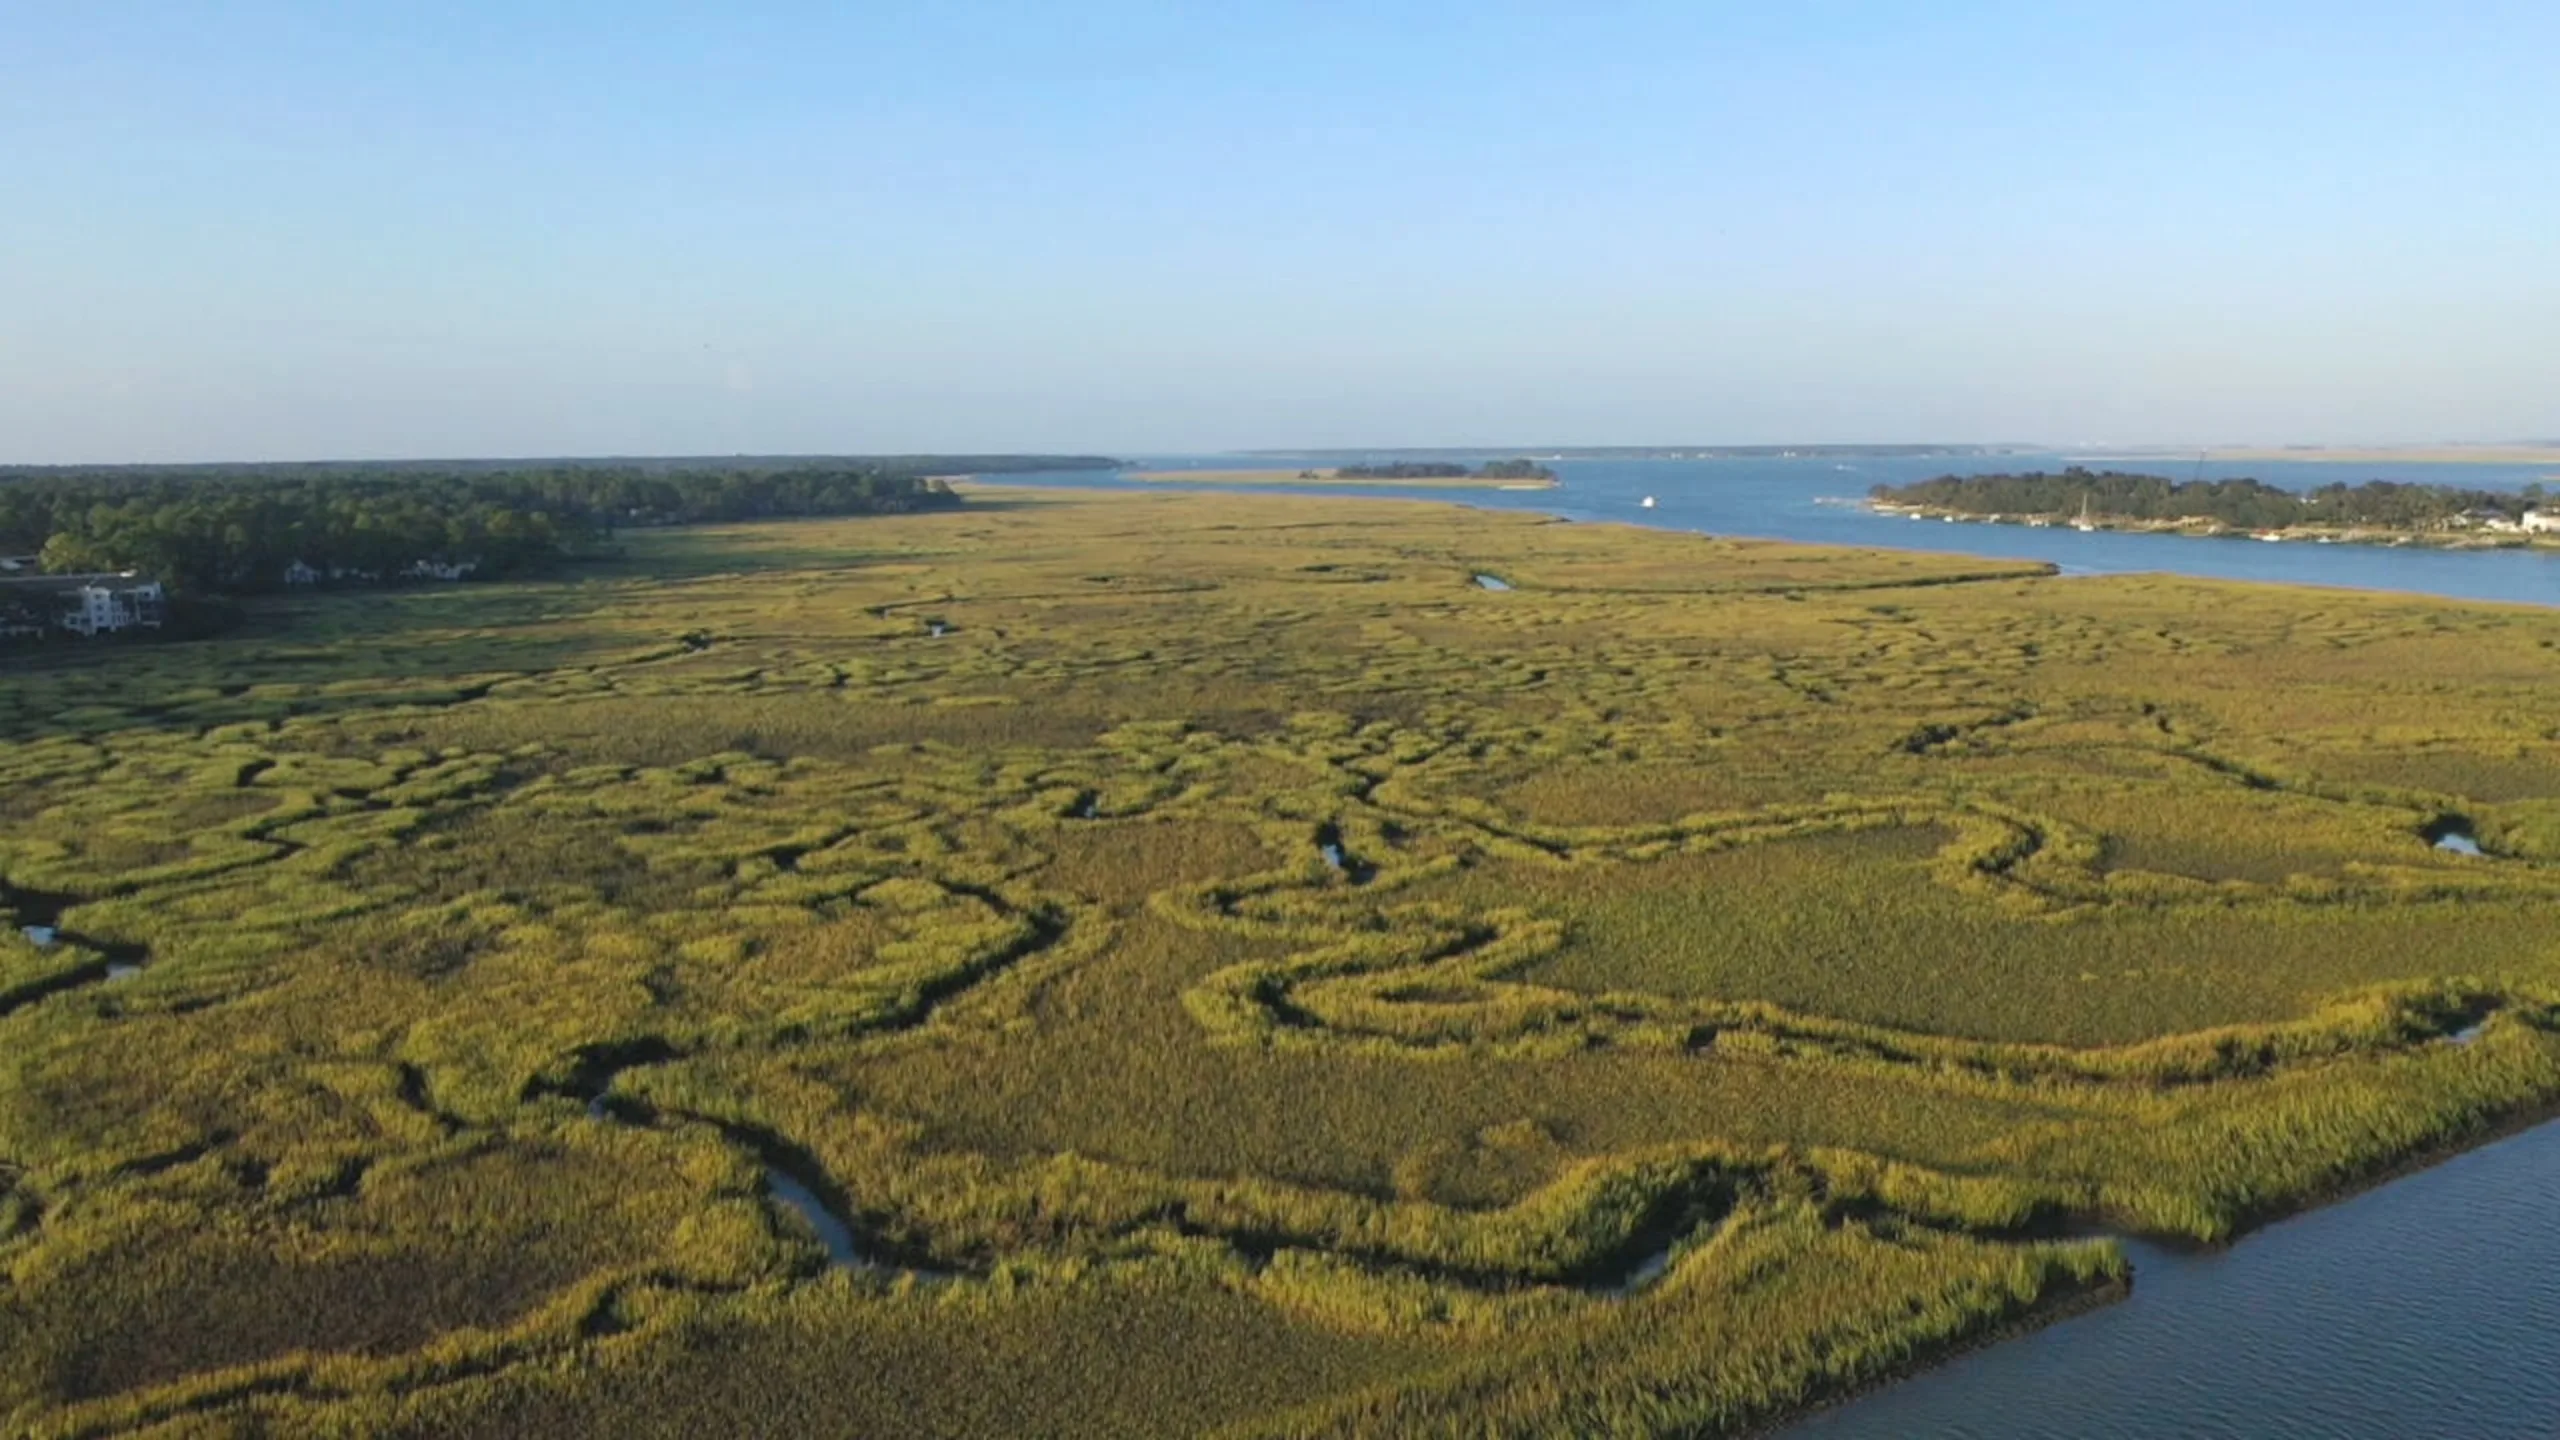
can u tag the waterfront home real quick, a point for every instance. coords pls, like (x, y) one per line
(2540, 522)
(2494, 521)
(37, 605)
(102, 605)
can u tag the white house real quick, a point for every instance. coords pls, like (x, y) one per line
(108, 603)
(298, 573)
(36, 605)
(2541, 522)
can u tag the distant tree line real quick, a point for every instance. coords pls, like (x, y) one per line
(1404, 470)
(237, 529)
(2241, 504)
(1446, 470)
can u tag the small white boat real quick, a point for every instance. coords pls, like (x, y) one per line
(1648, 502)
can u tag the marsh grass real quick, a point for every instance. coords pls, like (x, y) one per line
(1841, 924)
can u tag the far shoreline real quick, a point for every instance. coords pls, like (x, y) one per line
(1330, 476)
(2205, 529)
(2340, 454)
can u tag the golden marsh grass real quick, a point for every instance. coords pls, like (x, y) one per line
(1232, 973)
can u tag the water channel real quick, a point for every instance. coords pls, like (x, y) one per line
(823, 1222)
(2428, 1306)
(37, 917)
(1819, 499)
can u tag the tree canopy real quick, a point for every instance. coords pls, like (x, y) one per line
(237, 529)
(1446, 470)
(2241, 503)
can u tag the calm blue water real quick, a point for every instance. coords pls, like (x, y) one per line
(2430, 1306)
(1813, 500)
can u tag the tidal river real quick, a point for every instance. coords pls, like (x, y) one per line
(2429, 1306)
(1818, 500)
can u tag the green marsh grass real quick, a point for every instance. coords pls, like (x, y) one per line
(1842, 925)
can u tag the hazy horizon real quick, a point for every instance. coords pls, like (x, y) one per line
(2088, 450)
(287, 232)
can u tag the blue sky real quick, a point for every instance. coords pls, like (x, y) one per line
(281, 230)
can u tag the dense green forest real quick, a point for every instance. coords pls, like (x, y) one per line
(2242, 503)
(1446, 470)
(237, 529)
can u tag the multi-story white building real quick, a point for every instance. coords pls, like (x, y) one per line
(106, 604)
(2541, 522)
(34, 605)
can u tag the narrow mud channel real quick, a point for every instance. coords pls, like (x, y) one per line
(37, 917)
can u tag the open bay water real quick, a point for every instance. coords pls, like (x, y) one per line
(1819, 500)
(2428, 1306)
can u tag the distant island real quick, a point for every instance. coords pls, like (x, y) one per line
(2377, 511)
(1444, 470)
(1807, 451)
(1432, 474)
